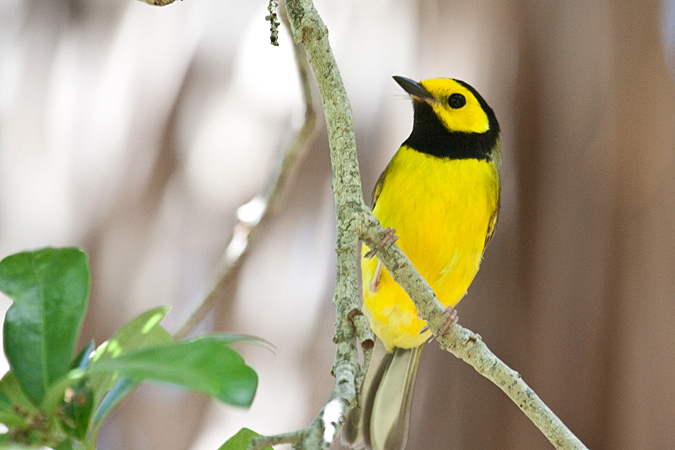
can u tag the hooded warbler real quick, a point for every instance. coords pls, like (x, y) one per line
(440, 193)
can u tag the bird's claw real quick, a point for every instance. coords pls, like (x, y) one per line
(453, 317)
(389, 238)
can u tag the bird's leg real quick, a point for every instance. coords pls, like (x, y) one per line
(375, 284)
(389, 238)
(453, 317)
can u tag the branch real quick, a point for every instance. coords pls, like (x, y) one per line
(469, 347)
(256, 211)
(354, 221)
(464, 343)
(308, 29)
(158, 2)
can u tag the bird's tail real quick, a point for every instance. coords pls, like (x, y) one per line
(381, 422)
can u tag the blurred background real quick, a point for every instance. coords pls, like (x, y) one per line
(135, 132)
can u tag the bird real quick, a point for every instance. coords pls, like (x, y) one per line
(440, 195)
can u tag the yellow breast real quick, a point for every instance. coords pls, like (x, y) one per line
(440, 209)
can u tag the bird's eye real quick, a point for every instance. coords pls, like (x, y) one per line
(456, 101)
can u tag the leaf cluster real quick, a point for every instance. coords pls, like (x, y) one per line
(55, 397)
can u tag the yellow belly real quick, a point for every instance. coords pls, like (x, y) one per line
(440, 209)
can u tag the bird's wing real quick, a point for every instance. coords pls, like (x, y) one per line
(492, 224)
(378, 188)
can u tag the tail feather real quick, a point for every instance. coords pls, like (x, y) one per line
(386, 396)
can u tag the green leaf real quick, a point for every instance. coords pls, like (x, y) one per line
(10, 388)
(125, 385)
(11, 420)
(142, 331)
(5, 402)
(81, 361)
(49, 288)
(11, 397)
(65, 445)
(77, 412)
(54, 395)
(6, 444)
(77, 406)
(228, 339)
(108, 388)
(241, 440)
(202, 365)
(120, 389)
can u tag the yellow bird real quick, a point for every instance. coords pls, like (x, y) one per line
(440, 193)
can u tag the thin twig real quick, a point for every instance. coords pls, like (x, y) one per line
(256, 211)
(285, 438)
(274, 23)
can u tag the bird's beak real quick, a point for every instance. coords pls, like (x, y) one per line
(415, 89)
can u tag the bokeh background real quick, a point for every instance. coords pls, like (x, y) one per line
(136, 132)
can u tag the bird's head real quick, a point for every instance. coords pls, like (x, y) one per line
(451, 118)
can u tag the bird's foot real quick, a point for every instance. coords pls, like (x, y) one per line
(453, 317)
(375, 284)
(388, 239)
